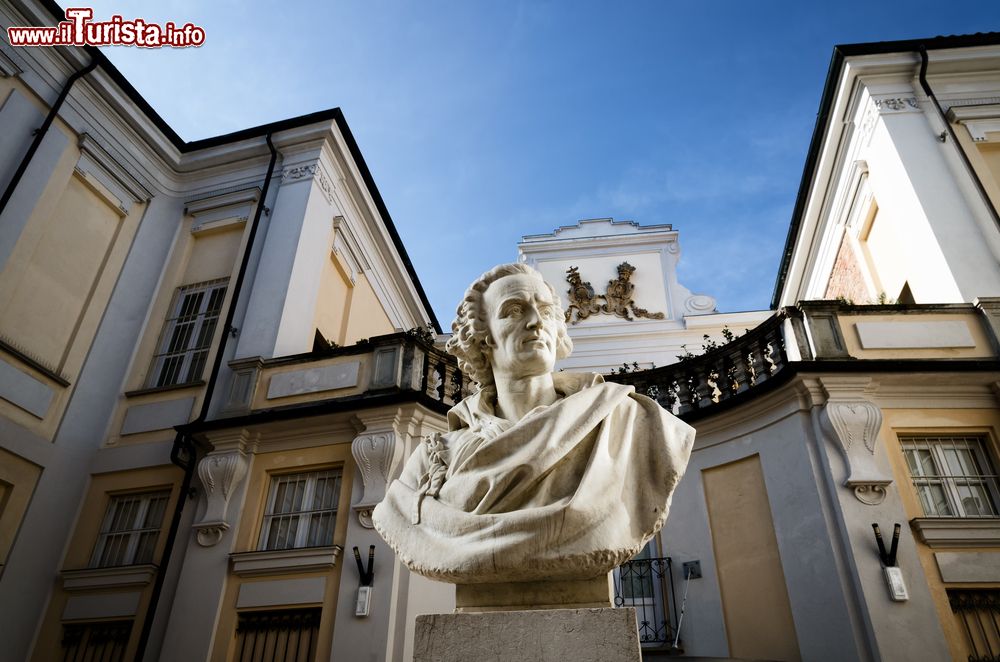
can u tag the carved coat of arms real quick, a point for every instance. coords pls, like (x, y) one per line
(617, 298)
(582, 297)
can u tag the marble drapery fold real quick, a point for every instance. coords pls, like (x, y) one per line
(568, 492)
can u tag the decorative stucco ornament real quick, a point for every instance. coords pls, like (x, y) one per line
(582, 297)
(542, 476)
(617, 298)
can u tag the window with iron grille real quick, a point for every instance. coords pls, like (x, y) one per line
(978, 611)
(277, 636)
(130, 529)
(187, 334)
(105, 641)
(953, 476)
(301, 510)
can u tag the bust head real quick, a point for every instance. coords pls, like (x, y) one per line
(509, 318)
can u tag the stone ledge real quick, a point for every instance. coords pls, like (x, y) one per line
(115, 577)
(275, 562)
(958, 531)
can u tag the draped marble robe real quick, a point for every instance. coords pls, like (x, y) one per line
(570, 491)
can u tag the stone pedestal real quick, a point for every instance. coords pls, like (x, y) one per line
(518, 596)
(550, 635)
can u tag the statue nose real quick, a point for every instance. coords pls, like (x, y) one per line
(532, 318)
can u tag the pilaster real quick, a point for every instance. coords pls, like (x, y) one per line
(191, 627)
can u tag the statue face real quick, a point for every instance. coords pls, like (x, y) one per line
(523, 326)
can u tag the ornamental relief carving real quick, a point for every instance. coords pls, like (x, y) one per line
(855, 424)
(375, 454)
(220, 473)
(617, 299)
(896, 104)
(312, 171)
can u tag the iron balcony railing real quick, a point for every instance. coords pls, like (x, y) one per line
(728, 373)
(648, 586)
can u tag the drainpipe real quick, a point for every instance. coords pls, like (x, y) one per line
(40, 133)
(954, 139)
(184, 451)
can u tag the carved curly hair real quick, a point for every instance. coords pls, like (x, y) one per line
(470, 331)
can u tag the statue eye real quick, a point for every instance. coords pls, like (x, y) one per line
(513, 310)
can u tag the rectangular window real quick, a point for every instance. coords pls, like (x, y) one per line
(130, 529)
(96, 641)
(301, 510)
(953, 476)
(978, 612)
(187, 334)
(279, 636)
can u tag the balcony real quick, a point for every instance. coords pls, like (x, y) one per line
(728, 374)
(390, 367)
(824, 336)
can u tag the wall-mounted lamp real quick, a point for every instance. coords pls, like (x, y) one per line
(893, 573)
(367, 576)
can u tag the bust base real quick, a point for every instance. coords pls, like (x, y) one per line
(553, 635)
(595, 592)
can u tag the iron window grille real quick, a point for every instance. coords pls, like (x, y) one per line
(646, 583)
(187, 334)
(953, 476)
(106, 641)
(978, 611)
(301, 510)
(277, 636)
(130, 529)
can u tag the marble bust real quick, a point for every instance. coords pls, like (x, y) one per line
(543, 476)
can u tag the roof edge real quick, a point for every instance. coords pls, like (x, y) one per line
(841, 52)
(331, 114)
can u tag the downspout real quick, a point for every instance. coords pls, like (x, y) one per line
(951, 132)
(184, 452)
(40, 133)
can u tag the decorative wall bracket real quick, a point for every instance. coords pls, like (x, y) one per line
(221, 472)
(376, 454)
(855, 425)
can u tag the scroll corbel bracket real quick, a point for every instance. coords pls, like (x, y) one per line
(376, 453)
(210, 533)
(854, 425)
(221, 472)
(870, 492)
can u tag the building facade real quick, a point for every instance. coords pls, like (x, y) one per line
(215, 355)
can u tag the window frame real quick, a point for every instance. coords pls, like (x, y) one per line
(133, 535)
(312, 475)
(980, 445)
(203, 325)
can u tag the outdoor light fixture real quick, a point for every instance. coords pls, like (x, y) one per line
(367, 576)
(893, 573)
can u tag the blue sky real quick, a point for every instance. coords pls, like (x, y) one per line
(485, 120)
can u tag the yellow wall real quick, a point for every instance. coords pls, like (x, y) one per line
(213, 256)
(367, 317)
(985, 158)
(973, 320)
(49, 284)
(334, 300)
(263, 466)
(884, 242)
(17, 483)
(347, 312)
(932, 422)
(58, 279)
(81, 547)
(754, 599)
